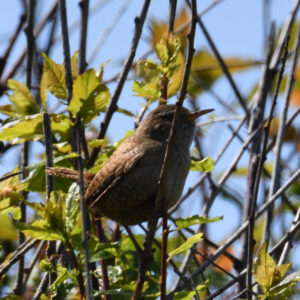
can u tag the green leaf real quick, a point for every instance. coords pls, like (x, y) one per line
(284, 286)
(9, 110)
(7, 229)
(90, 96)
(186, 245)
(74, 65)
(189, 221)
(22, 98)
(97, 143)
(125, 112)
(167, 49)
(29, 128)
(205, 165)
(36, 179)
(72, 207)
(175, 80)
(53, 79)
(263, 268)
(184, 295)
(150, 91)
(104, 251)
(266, 272)
(60, 126)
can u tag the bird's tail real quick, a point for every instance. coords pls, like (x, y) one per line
(71, 174)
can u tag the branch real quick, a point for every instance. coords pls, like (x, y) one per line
(139, 23)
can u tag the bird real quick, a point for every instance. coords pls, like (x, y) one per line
(125, 188)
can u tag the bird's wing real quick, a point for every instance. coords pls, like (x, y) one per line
(122, 161)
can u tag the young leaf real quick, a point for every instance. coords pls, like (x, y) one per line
(39, 229)
(266, 272)
(53, 79)
(22, 98)
(186, 245)
(150, 91)
(90, 96)
(189, 221)
(185, 295)
(7, 229)
(29, 128)
(205, 165)
(9, 110)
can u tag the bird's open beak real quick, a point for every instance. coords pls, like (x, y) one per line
(194, 115)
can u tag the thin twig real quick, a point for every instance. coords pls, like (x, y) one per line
(260, 164)
(105, 33)
(36, 32)
(17, 255)
(139, 23)
(222, 64)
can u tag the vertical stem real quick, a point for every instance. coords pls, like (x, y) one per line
(164, 257)
(102, 239)
(49, 185)
(19, 288)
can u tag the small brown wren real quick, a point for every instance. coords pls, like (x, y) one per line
(125, 188)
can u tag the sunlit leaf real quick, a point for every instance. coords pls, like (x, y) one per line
(149, 91)
(22, 98)
(205, 165)
(176, 78)
(263, 268)
(189, 221)
(285, 286)
(27, 128)
(60, 126)
(97, 143)
(266, 272)
(40, 230)
(36, 179)
(53, 79)
(184, 295)
(147, 69)
(90, 96)
(167, 49)
(9, 110)
(159, 29)
(74, 67)
(187, 244)
(125, 112)
(7, 229)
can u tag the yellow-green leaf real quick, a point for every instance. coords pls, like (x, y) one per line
(184, 295)
(28, 128)
(189, 221)
(22, 98)
(97, 143)
(90, 96)
(60, 125)
(53, 79)
(266, 272)
(186, 245)
(7, 229)
(150, 91)
(40, 230)
(205, 165)
(176, 78)
(74, 65)
(9, 110)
